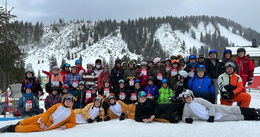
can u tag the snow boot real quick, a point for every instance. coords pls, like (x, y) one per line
(4, 129)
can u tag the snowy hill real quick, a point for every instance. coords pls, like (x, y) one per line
(130, 128)
(58, 43)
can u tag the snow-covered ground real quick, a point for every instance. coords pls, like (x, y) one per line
(130, 128)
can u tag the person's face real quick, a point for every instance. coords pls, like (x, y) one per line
(97, 103)
(121, 85)
(106, 84)
(81, 87)
(200, 74)
(150, 82)
(74, 70)
(93, 91)
(112, 101)
(65, 90)
(175, 65)
(89, 67)
(150, 64)
(28, 90)
(241, 54)
(68, 103)
(167, 63)
(188, 99)
(54, 92)
(213, 55)
(164, 85)
(201, 59)
(137, 85)
(227, 56)
(131, 65)
(56, 71)
(67, 68)
(159, 64)
(229, 70)
(142, 99)
(78, 65)
(29, 74)
(192, 60)
(118, 65)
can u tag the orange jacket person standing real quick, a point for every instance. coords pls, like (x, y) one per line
(231, 87)
(60, 115)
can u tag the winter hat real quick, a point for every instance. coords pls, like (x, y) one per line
(121, 81)
(56, 89)
(175, 61)
(82, 83)
(192, 57)
(183, 73)
(55, 68)
(143, 64)
(98, 98)
(201, 56)
(156, 60)
(98, 61)
(150, 78)
(65, 86)
(137, 81)
(68, 97)
(67, 65)
(230, 64)
(131, 62)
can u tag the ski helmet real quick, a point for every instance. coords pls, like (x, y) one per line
(141, 94)
(175, 61)
(201, 68)
(28, 86)
(78, 62)
(241, 50)
(67, 65)
(213, 51)
(186, 93)
(143, 64)
(201, 56)
(121, 81)
(68, 97)
(118, 61)
(192, 57)
(227, 51)
(55, 68)
(137, 81)
(164, 80)
(150, 78)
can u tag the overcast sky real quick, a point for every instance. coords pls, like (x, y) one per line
(245, 12)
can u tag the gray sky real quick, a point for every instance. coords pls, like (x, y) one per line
(245, 12)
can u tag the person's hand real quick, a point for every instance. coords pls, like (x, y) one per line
(90, 120)
(42, 126)
(151, 118)
(211, 119)
(189, 120)
(146, 120)
(63, 127)
(122, 116)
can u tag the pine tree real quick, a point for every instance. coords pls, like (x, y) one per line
(52, 62)
(68, 55)
(63, 62)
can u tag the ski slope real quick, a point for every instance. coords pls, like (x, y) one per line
(130, 128)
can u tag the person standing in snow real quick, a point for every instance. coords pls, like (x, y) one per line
(90, 77)
(80, 94)
(122, 93)
(202, 85)
(60, 115)
(143, 75)
(227, 57)
(34, 82)
(80, 69)
(28, 104)
(151, 90)
(116, 73)
(213, 69)
(231, 87)
(201, 109)
(165, 93)
(104, 75)
(245, 67)
(98, 67)
(65, 71)
(53, 98)
(73, 78)
(54, 79)
(191, 65)
(130, 74)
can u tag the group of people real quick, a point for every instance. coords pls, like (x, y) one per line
(158, 90)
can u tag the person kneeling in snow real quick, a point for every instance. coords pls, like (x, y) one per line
(114, 108)
(201, 109)
(91, 112)
(60, 115)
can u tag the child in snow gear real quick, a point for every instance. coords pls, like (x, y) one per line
(59, 115)
(122, 93)
(106, 90)
(134, 92)
(90, 95)
(201, 85)
(245, 67)
(201, 109)
(91, 112)
(54, 79)
(34, 82)
(53, 98)
(80, 69)
(98, 67)
(65, 70)
(151, 90)
(165, 93)
(90, 77)
(65, 89)
(103, 76)
(80, 94)
(73, 78)
(117, 73)
(28, 104)
(231, 87)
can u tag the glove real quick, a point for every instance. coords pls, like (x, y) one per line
(107, 118)
(211, 119)
(90, 120)
(122, 116)
(99, 119)
(189, 120)
(250, 81)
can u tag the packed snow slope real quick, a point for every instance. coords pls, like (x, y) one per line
(57, 43)
(130, 128)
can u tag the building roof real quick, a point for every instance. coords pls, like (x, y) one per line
(252, 52)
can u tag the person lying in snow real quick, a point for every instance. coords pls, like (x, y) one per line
(60, 115)
(201, 109)
(91, 112)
